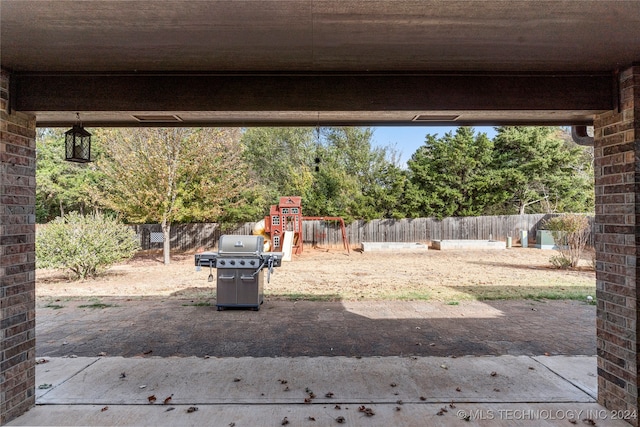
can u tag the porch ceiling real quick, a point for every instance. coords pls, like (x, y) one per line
(280, 57)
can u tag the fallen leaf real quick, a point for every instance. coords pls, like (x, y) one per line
(589, 421)
(440, 412)
(444, 366)
(307, 400)
(423, 398)
(192, 409)
(452, 405)
(284, 422)
(494, 373)
(399, 402)
(102, 354)
(232, 424)
(167, 400)
(393, 385)
(340, 420)
(337, 407)
(283, 381)
(45, 386)
(329, 395)
(398, 408)
(104, 409)
(41, 361)
(142, 386)
(147, 352)
(311, 418)
(123, 375)
(152, 398)
(496, 389)
(572, 421)
(235, 380)
(367, 411)
(458, 389)
(169, 409)
(206, 356)
(287, 388)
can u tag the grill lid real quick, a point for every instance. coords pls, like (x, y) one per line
(240, 245)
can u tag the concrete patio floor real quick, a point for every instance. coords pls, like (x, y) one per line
(352, 391)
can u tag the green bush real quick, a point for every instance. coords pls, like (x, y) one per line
(571, 234)
(85, 245)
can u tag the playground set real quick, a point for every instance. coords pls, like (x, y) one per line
(283, 230)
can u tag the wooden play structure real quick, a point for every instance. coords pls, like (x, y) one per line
(282, 229)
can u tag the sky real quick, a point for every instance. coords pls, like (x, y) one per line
(407, 139)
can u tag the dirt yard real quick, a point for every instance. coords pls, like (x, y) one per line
(321, 275)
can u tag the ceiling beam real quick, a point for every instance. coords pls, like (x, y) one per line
(317, 92)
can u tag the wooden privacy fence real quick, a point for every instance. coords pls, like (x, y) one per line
(185, 237)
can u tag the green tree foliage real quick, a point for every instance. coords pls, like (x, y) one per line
(281, 162)
(62, 186)
(451, 176)
(167, 175)
(542, 171)
(337, 171)
(356, 180)
(85, 245)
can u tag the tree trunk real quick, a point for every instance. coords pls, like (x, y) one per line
(166, 245)
(61, 209)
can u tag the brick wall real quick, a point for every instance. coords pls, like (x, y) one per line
(17, 258)
(617, 187)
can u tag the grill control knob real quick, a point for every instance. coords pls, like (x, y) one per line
(252, 262)
(232, 262)
(221, 262)
(241, 262)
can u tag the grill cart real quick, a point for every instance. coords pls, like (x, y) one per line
(240, 263)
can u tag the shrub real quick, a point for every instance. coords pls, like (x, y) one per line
(571, 233)
(85, 245)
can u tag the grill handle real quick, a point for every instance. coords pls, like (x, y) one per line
(221, 277)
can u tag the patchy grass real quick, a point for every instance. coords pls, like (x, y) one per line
(296, 296)
(198, 304)
(99, 305)
(409, 295)
(453, 303)
(54, 306)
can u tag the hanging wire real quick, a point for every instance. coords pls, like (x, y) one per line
(317, 159)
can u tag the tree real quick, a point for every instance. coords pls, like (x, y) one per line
(281, 160)
(336, 171)
(168, 175)
(370, 181)
(542, 172)
(451, 176)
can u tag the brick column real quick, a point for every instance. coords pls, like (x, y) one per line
(17, 257)
(617, 186)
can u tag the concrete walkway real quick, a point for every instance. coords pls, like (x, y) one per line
(318, 391)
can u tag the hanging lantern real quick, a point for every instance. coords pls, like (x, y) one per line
(77, 144)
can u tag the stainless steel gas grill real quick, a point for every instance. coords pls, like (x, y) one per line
(240, 264)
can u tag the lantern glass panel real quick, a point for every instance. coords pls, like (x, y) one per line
(78, 145)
